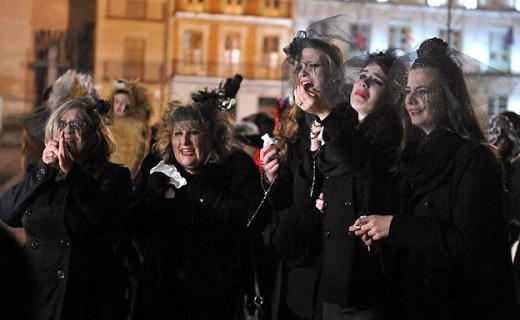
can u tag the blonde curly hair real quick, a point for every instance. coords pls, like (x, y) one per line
(206, 116)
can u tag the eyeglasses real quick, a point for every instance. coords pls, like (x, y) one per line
(74, 124)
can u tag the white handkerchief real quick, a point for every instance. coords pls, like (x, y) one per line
(320, 138)
(171, 171)
(268, 140)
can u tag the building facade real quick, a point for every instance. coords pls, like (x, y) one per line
(176, 47)
(485, 31)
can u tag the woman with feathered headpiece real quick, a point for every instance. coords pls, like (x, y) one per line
(192, 213)
(69, 204)
(72, 84)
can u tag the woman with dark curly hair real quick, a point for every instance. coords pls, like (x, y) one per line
(193, 215)
(69, 204)
(450, 239)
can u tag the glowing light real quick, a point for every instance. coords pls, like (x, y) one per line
(436, 3)
(470, 4)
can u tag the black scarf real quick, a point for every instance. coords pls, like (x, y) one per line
(427, 160)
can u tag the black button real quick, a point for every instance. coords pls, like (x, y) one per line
(327, 177)
(60, 274)
(35, 244)
(41, 174)
(426, 205)
(327, 234)
(65, 243)
(348, 204)
(28, 212)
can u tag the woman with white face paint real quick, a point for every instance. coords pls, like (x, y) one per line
(351, 173)
(449, 239)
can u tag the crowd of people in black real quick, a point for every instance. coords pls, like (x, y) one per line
(378, 195)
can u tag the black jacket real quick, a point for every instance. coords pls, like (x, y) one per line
(355, 169)
(71, 228)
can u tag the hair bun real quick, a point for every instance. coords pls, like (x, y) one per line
(433, 47)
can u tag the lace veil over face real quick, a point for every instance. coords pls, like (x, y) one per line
(467, 86)
(483, 81)
(329, 37)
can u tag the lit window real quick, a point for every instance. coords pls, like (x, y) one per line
(270, 54)
(454, 39)
(193, 52)
(497, 105)
(361, 33)
(232, 51)
(401, 38)
(517, 5)
(500, 49)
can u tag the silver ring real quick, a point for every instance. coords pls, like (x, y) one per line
(368, 233)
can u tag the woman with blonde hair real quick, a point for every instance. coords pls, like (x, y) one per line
(69, 204)
(192, 215)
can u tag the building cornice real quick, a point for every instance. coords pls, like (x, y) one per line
(282, 22)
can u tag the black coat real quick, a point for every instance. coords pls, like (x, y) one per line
(293, 287)
(71, 232)
(355, 169)
(197, 242)
(452, 258)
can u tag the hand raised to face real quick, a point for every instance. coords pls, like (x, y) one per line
(270, 161)
(311, 100)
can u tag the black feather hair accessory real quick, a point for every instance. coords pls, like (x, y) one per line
(102, 107)
(224, 95)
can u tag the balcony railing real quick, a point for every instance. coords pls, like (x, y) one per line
(146, 72)
(136, 10)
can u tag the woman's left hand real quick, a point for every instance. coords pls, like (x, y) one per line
(312, 101)
(372, 229)
(321, 204)
(65, 159)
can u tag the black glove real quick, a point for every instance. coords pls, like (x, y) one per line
(158, 183)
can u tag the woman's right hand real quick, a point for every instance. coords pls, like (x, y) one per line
(158, 183)
(321, 204)
(311, 100)
(50, 153)
(270, 162)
